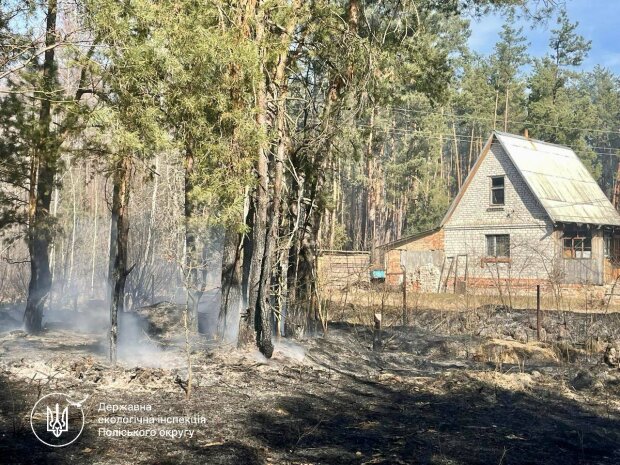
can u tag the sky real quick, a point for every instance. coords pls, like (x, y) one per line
(599, 21)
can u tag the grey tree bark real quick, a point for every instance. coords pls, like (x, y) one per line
(43, 171)
(119, 238)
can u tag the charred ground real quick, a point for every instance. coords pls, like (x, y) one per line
(454, 387)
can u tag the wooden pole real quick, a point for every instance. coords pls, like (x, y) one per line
(495, 113)
(538, 311)
(405, 311)
(376, 342)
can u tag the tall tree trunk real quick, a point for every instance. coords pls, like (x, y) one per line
(441, 163)
(298, 213)
(337, 197)
(195, 271)
(236, 248)
(43, 171)
(246, 322)
(73, 230)
(118, 270)
(495, 112)
(53, 254)
(259, 273)
(146, 277)
(94, 247)
(149, 252)
(506, 109)
(254, 245)
(303, 254)
(231, 289)
(283, 288)
(280, 95)
(470, 162)
(457, 159)
(616, 194)
(372, 194)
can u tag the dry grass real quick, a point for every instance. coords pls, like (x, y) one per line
(586, 299)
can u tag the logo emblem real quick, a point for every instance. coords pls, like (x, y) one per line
(57, 424)
(56, 420)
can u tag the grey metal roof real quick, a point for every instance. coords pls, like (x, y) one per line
(404, 240)
(558, 179)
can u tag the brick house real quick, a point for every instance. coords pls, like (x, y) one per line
(528, 212)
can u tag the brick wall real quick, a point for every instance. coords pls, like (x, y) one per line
(427, 242)
(432, 241)
(392, 267)
(532, 240)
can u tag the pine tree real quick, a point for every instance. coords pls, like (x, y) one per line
(131, 121)
(558, 108)
(48, 113)
(603, 89)
(509, 56)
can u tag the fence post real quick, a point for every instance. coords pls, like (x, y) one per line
(405, 310)
(377, 342)
(538, 311)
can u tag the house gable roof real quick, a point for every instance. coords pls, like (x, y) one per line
(556, 177)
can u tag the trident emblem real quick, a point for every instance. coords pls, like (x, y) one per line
(57, 424)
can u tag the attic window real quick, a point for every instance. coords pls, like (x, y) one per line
(497, 190)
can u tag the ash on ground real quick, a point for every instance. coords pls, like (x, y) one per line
(449, 388)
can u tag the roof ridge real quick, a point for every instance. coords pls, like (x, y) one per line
(529, 139)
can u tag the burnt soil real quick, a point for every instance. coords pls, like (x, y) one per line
(450, 389)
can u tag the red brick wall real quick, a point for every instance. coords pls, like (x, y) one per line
(393, 270)
(433, 241)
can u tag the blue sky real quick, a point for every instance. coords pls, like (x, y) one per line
(599, 21)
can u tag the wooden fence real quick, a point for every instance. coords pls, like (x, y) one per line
(340, 268)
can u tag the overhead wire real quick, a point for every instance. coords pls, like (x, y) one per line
(465, 138)
(490, 119)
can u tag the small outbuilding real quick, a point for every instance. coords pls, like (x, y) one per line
(420, 256)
